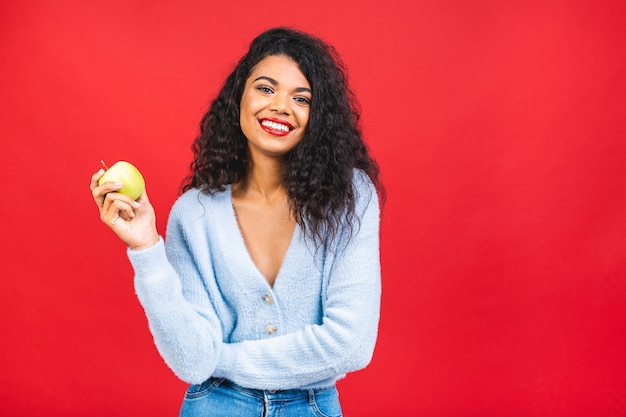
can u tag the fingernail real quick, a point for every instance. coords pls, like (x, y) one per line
(136, 204)
(118, 184)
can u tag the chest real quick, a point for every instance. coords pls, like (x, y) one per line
(267, 232)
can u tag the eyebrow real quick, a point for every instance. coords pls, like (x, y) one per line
(275, 83)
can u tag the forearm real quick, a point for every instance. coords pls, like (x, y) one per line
(345, 339)
(344, 342)
(187, 335)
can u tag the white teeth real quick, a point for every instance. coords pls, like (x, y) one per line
(275, 126)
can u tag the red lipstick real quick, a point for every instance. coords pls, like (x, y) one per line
(275, 126)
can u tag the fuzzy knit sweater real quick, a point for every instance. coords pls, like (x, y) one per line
(213, 314)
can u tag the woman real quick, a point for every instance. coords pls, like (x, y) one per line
(266, 290)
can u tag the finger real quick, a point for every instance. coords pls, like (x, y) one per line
(143, 198)
(113, 197)
(95, 178)
(100, 192)
(116, 209)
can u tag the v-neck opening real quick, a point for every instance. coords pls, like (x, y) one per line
(242, 242)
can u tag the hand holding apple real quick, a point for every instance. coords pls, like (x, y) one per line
(127, 174)
(124, 204)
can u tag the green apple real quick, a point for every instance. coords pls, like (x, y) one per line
(127, 174)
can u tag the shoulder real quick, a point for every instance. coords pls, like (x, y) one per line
(194, 203)
(360, 180)
(364, 189)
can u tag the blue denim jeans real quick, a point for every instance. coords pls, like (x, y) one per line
(220, 397)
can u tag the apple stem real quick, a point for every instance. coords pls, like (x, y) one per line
(104, 165)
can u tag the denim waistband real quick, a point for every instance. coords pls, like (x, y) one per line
(269, 395)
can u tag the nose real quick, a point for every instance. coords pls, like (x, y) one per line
(280, 104)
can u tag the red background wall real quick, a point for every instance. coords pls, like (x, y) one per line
(500, 130)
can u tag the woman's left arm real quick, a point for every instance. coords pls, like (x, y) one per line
(345, 340)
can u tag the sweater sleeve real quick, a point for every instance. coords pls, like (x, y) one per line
(345, 339)
(182, 320)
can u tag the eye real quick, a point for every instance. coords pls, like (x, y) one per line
(265, 89)
(302, 100)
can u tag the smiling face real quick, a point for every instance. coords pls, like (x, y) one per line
(274, 107)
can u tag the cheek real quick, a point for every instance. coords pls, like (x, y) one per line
(246, 118)
(249, 102)
(244, 104)
(246, 109)
(303, 117)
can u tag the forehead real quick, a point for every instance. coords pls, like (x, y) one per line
(280, 68)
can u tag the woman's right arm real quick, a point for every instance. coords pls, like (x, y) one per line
(181, 317)
(184, 324)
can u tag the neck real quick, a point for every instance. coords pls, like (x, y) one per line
(264, 180)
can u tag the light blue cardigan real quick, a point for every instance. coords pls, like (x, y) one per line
(212, 313)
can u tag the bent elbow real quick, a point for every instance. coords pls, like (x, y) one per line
(191, 376)
(361, 358)
(360, 354)
(192, 368)
(194, 373)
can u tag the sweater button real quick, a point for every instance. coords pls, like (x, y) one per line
(267, 299)
(270, 329)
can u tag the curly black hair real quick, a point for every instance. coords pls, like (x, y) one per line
(319, 170)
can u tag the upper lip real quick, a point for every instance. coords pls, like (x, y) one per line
(275, 120)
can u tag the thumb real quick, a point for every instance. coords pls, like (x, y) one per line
(143, 198)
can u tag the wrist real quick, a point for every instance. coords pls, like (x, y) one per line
(145, 245)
